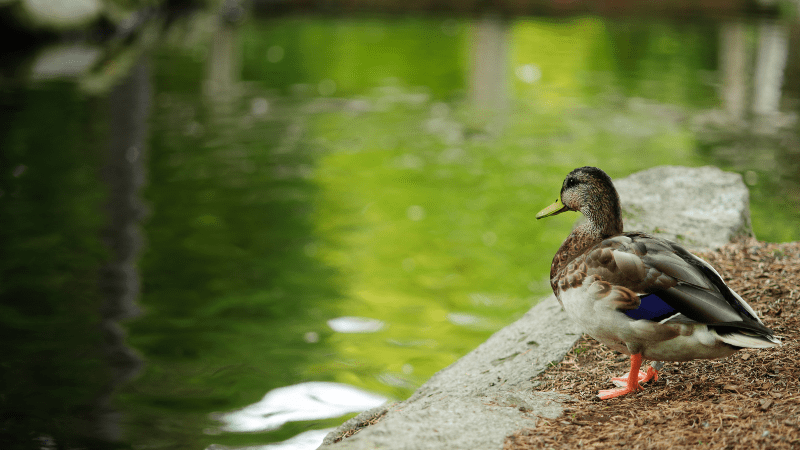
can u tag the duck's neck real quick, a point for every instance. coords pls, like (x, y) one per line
(603, 220)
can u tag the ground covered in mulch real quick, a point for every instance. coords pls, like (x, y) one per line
(750, 400)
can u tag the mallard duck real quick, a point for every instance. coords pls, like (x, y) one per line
(639, 294)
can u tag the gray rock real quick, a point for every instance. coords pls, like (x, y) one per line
(699, 207)
(491, 392)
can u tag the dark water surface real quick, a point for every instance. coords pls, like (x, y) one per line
(332, 210)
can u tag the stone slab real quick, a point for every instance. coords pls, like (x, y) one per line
(699, 207)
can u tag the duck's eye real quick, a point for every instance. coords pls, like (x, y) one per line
(570, 183)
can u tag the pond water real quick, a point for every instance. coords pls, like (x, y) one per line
(296, 219)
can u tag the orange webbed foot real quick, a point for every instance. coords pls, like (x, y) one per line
(606, 394)
(630, 383)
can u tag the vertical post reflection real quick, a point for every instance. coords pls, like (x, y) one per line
(224, 61)
(488, 85)
(129, 105)
(769, 64)
(733, 55)
(773, 49)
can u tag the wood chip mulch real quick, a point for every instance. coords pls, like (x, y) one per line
(750, 400)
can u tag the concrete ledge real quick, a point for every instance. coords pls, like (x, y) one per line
(490, 393)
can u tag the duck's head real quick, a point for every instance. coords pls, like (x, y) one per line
(590, 191)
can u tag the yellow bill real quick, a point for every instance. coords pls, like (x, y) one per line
(556, 208)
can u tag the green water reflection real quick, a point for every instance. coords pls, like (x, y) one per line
(52, 255)
(336, 168)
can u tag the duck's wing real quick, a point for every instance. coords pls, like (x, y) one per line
(673, 285)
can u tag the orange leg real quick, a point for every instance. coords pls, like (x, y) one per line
(651, 374)
(631, 383)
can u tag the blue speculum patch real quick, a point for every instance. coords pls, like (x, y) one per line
(652, 308)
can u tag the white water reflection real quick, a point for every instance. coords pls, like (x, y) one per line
(309, 440)
(64, 61)
(351, 324)
(469, 320)
(305, 401)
